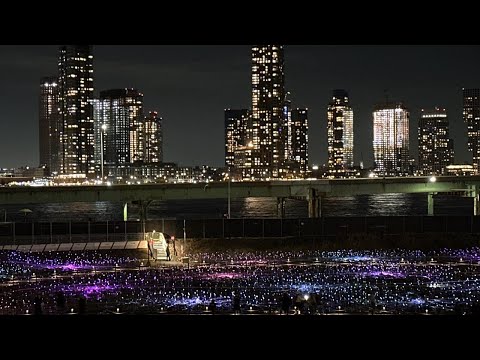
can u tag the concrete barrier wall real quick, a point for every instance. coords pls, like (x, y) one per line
(121, 235)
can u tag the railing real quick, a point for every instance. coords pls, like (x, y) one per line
(157, 246)
(112, 231)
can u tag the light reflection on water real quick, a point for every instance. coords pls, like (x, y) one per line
(362, 205)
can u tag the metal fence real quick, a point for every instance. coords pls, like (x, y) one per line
(70, 232)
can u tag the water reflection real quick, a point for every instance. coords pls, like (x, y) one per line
(362, 205)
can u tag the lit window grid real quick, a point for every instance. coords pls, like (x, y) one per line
(297, 134)
(435, 148)
(153, 139)
(76, 124)
(471, 116)
(339, 136)
(236, 134)
(122, 113)
(391, 140)
(48, 123)
(266, 132)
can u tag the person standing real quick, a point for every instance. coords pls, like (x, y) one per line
(168, 252)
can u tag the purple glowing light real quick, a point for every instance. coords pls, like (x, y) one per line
(64, 267)
(306, 288)
(226, 276)
(71, 267)
(96, 289)
(417, 301)
(385, 274)
(354, 259)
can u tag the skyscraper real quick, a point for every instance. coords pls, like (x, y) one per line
(48, 123)
(287, 121)
(340, 134)
(266, 128)
(236, 122)
(76, 124)
(435, 148)
(391, 144)
(153, 138)
(119, 115)
(297, 160)
(471, 116)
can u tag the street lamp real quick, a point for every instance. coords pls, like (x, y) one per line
(104, 127)
(229, 180)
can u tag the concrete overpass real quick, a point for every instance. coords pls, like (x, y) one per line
(311, 190)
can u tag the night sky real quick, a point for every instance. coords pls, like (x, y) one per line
(190, 86)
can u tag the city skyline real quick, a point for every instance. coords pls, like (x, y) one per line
(192, 85)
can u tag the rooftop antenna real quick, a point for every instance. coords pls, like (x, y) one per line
(386, 95)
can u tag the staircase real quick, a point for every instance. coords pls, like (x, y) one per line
(158, 246)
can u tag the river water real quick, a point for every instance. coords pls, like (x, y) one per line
(361, 205)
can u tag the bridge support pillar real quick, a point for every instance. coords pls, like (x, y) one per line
(143, 209)
(314, 204)
(125, 211)
(144, 213)
(476, 203)
(430, 203)
(281, 207)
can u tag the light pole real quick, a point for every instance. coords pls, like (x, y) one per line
(104, 127)
(229, 180)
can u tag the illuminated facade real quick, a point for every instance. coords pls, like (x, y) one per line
(296, 163)
(48, 124)
(340, 134)
(287, 120)
(243, 169)
(120, 112)
(460, 170)
(471, 116)
(236, 122)
(266, 127)
(153, 138)
(76, 124)
(391, 139)
(435, 148)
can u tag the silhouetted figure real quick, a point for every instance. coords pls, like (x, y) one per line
(475, 309)
(213, 307)
(38, 305)
(82, 305)
(236, 304)
(174, 248)
(459, 309)
(373, 303)
(168, 252)
(286, 303)
(60, 301)
(312, 303)
(299, 300)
